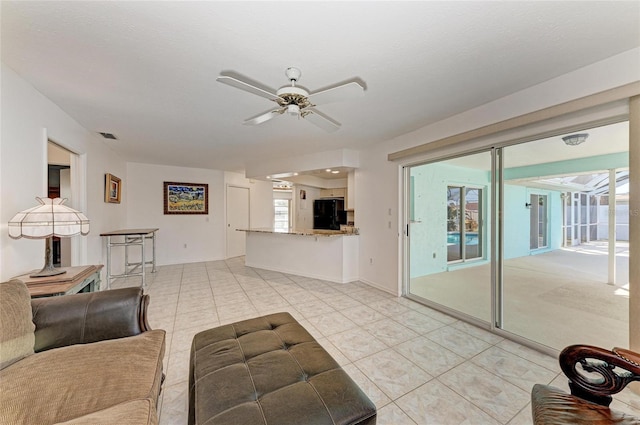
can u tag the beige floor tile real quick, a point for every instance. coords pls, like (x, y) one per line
(418, 322)
(375, 394)
(273, 301)
(430, 356)
(497, 397)
(520, 372)
(177, 368)
(457, 341)
(228, 312)
(392, 373)
(477, 332)
(227, 288)
(361, 314)
(525, 417)
(175, 404)
(357, 343)
(390, 332)
(441, 317)
(160, 322)
(334, 352)
(331, 323)
(206, 318)
(435, 403)
(391, 414)
(341, 302)
(314, 307)
(537, 357)
(231, 298)
(389, 307)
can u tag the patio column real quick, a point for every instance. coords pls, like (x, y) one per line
(634, 225)
(612, 226)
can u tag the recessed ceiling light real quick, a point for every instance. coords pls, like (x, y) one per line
(269, 177)
(295, 174)
(335, 172)
(328, 170)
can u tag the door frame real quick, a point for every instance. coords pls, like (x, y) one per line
(226, 212)
(79, 245)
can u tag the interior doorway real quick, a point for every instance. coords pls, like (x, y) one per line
(59, 186)
(237, 218)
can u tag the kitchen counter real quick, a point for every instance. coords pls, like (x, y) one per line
(301, 232)
(330, 255)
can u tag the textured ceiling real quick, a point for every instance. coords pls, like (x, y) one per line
(146, 71)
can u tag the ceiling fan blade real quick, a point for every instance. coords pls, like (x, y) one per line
(242, 85)
(346, 91)
(264, 117)
(321, 120)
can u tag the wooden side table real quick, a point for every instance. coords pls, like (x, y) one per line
(76, 279)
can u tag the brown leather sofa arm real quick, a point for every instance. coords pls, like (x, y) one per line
(595, 373)
(89, 317)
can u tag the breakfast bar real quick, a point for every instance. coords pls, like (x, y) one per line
(330, 255)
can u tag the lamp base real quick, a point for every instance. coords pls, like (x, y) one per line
(46, 272)
(48, 269)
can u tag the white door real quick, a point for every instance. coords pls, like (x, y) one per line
(237, 218)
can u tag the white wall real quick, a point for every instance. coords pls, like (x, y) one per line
(28, 119)
(378, 180)
(203, 235)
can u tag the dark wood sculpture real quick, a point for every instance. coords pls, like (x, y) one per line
(595, 373)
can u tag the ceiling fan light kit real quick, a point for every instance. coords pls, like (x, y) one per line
(293, 109)
(297, 101)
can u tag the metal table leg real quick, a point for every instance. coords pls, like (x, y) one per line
(108, 262)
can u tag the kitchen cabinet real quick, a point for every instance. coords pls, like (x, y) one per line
(340, 192)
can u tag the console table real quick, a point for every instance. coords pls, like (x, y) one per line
(76, 279)
(131, 237)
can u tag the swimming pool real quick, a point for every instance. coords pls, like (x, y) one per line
(471, 238)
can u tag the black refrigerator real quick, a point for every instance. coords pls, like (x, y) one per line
(329, 214)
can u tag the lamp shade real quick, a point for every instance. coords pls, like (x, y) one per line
(50, 218)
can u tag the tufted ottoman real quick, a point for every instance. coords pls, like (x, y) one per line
(270, 370)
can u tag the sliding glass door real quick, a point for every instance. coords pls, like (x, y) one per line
(556, 287)
(556, 216)
(448, 264)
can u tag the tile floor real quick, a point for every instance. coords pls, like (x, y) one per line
(416, 364)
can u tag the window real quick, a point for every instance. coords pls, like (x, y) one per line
(538, 219)
(464, 218)
(281, 216)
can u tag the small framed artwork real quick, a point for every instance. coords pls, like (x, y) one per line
(186, 198)
(112, 189)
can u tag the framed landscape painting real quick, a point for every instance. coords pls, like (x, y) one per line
(186, 198)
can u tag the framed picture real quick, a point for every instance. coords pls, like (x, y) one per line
(186, 198)
(112, 189)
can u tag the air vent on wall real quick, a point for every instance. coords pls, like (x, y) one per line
(108, 136)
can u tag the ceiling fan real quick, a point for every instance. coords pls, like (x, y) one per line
(296, 100)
